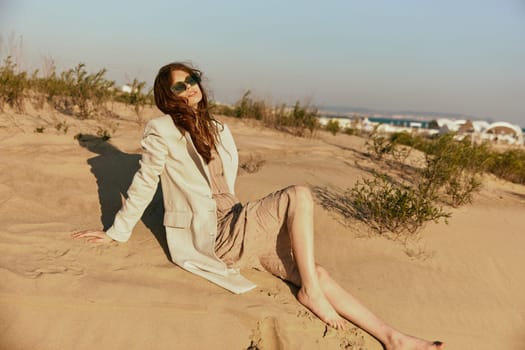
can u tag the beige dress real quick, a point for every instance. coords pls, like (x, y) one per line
(255, 234)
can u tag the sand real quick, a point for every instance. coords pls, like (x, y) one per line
(461, 283)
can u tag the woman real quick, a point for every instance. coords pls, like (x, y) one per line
(209, 232)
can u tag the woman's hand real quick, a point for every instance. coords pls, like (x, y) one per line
(94, 236)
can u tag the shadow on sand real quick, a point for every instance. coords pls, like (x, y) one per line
(114, 171)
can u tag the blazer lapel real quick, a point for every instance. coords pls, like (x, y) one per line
(224, 154)
(203, 167)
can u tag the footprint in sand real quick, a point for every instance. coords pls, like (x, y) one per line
(47, 261)
(306, 314)
(352, 339)
(266, 336)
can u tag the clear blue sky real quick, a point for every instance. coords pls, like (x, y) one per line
(460, 56)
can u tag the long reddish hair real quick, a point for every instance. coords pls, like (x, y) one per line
(199, 123)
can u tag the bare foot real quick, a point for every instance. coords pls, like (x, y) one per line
(319, 305)
(406, 342)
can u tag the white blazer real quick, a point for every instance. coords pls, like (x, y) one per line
(190, 211)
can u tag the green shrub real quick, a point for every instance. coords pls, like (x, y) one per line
(74, 91)
(300, 120)
(454, 166)
(305, 118)
(508, 165)
(136, 98)
(350, 130)
(12, 85)
(246, 107)
(222, 109)
(333, 126)
(87, 92)
(52, 88)
(389, 207)
(379, 145)
(39, 130)
(451, 169)
(404, 138)
(461, 188)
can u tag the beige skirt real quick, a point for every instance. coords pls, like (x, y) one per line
(255, 235)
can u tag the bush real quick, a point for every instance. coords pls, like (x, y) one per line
(222, 109)
(385, 206)
(451, 168)
(52, 88)
(378, 145)
(352, 131)
(333, 126)
(87, 92)
(508, 165)
(12, 85)
(404, 138)
(460, 189)
(454, 166)
(136, 98)
(246, 107)
(300, 120)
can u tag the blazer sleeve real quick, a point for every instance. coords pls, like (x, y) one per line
(143, 186)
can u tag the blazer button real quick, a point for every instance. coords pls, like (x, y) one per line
(212, 234)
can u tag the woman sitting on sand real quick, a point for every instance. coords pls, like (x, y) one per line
(209, 232)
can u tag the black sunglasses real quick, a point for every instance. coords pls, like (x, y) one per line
(181, 86)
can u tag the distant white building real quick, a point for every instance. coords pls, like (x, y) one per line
(503, 132)
(480, 125)
(479, 130)
(449, 125)
(127, 89)
(343, 122)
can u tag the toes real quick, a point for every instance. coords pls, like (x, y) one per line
(338, 324)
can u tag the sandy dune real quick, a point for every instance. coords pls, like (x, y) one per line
(462, 283)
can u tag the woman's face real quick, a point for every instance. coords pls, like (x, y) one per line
(192, 94)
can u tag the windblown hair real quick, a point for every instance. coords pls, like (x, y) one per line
(199, 123)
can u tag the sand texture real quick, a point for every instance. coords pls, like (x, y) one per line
(462, 283)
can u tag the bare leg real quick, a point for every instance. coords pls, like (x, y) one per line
(351, 309)
(300, 225)
(327, 299)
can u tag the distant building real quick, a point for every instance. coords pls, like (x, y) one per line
(127, 89)
(449, 125)
(477, 130)
(503, 132)
(344, 122)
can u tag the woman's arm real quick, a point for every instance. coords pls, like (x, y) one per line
(140, 192)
